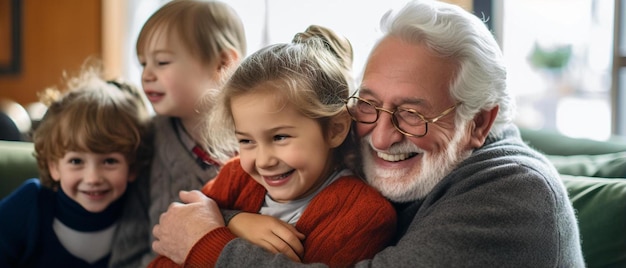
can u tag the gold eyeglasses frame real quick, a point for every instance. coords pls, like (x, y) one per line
(394, 118)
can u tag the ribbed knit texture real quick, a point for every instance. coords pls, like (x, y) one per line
(346, 222)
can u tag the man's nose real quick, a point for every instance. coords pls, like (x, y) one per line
(384, 133)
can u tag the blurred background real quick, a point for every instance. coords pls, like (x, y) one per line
(565, 58)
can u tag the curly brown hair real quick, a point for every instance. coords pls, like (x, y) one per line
(92, 115)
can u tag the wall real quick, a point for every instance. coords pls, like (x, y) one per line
(56, 36)
(59, 35)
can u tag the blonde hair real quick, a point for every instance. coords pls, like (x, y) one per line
(92, 115)
(205, 28)
(313, 72)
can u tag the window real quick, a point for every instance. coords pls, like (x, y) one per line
(559, 59)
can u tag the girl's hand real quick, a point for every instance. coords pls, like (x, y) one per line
(268, 232)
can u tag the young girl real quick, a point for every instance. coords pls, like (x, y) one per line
(187, 48)
(285, 105)
(89, 145)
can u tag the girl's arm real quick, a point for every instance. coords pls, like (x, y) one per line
(268, 232)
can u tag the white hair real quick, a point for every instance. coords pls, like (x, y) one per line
(450, 31)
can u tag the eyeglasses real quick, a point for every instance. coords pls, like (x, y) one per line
(408, 121)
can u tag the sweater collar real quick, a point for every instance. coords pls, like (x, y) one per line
(72, 214)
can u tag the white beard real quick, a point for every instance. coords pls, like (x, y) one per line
(409, 184)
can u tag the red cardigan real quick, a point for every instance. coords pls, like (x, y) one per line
(346, 222)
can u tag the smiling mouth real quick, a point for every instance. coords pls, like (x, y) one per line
(154, 94)
(395, 157)
(95, 193)
(279, 177)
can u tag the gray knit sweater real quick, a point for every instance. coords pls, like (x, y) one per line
(504, 206)
(173, 168)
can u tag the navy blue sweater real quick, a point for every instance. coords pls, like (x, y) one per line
(27, 238)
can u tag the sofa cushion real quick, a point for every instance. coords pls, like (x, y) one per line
(611, 165)
(600, 206)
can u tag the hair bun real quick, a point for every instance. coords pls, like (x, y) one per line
(337, 44)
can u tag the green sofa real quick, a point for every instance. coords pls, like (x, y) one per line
(594, 173)
(17, 163)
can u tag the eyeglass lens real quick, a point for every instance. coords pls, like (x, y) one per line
(406, 121)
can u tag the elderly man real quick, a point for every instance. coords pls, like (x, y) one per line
(434, 118)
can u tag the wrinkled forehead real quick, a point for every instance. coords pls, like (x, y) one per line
(401, 72)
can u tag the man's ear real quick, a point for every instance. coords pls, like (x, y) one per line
(338, 129)
(53, 169)
(482, 125)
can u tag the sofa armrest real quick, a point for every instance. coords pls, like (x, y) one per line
(554, 143)
(611, 165)
(17, 164)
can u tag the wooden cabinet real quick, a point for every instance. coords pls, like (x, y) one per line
(57, 36)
